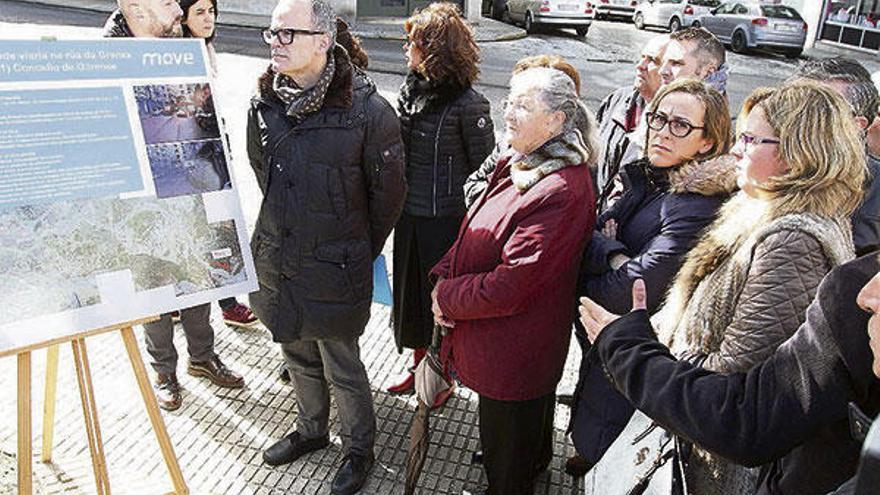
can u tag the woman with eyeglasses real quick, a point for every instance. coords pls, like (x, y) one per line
(671, 195)
(745, 286)
(447, 132)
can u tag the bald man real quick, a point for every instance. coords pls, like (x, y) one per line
(161, 19)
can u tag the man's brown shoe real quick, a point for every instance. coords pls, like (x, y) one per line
(167, 390)
(216, 371)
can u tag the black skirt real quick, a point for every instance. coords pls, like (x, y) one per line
(419, 243)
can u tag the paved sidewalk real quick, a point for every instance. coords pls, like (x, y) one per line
(219, 434)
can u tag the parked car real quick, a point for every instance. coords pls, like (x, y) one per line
(576, 14)
(750, 25)
(672, 14)
(615, 8)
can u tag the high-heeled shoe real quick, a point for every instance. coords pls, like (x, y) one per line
(408, 385)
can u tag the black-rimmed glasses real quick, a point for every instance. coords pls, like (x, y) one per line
(285, 35)
(679, 128)
(750, 140)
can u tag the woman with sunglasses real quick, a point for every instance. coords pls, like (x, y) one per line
(744, 288)
(670, 196)
(447, 132)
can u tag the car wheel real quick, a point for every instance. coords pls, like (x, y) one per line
(793, 53)
(529, 24)
(696, 24)
(582, 31)
(639, 21)
(674, 25)
(738, 43)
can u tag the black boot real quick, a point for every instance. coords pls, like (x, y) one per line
(352, 474)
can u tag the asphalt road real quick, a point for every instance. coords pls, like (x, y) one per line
(605, 58)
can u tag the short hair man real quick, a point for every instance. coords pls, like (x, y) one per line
(160, 19)
(849, 78)
(692, 52)
(620, 113)
(327, 153)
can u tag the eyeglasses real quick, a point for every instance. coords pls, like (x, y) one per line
(679, 128)
(750, 140)
(285, 35)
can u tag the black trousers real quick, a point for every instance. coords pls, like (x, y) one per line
(517, 440)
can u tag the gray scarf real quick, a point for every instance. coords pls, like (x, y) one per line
(303, 102)
(565, 150)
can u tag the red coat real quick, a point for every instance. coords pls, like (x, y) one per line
(510, 281)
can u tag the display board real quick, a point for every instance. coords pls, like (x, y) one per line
(117, 198)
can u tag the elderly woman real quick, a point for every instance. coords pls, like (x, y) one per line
(744, 288)
(505, 286)
(447, 132)
(670, 196)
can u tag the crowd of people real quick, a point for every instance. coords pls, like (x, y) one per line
(751, 325)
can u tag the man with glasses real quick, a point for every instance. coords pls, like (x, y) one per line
(328, 157)
(852, 81)
(161, 19)
(619, 115)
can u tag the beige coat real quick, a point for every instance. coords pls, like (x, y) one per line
(741, 292)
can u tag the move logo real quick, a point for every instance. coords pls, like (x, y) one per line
(154, 59)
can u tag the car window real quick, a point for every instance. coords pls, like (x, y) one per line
(725, 8)
(670, 1)
(780, 12)
(740, 10)
(705, 3)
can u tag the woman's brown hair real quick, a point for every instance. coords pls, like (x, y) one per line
(449, 52)
(716, 114)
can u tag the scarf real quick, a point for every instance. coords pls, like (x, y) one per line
(718, 79)
(303, 102)
(565, 150)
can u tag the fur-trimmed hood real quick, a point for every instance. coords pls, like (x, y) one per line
(713, 177)
(339, 93)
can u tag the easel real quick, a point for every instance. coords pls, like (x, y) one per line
(90, 413)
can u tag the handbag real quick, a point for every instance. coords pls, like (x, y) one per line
(644, 460)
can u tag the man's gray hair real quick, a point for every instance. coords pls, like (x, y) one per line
(324, 19)
(860, 93)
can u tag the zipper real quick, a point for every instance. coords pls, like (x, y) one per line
(436, 158)
(449, 176)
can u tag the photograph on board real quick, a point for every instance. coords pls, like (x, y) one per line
(193, 167)
(176, 112)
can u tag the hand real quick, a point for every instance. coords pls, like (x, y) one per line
(869, 300)
(610, 229)
(439, 317)
(595, 318)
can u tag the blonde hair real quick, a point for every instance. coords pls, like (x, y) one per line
(716, 114)
(820, 144)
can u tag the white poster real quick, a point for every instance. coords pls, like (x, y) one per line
(117, 199)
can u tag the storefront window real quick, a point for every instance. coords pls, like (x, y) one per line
(853, 22)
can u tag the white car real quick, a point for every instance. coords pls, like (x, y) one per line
(576, 14)
(672, 14)
(615, 8)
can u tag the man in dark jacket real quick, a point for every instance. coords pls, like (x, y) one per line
(850, 78)
(787, 414)
(326, 151)
(620, 114)
(161, 19)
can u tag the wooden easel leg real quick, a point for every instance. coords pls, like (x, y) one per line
(49, 403)
(140, 374)
(25, 468)
(90, 415)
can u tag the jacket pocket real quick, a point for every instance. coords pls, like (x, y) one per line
(327, 275)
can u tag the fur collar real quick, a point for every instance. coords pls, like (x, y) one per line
(418, 93)
(742, 223)
(340, 93)
(566, 150)
(116, 26)
(713, 177)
